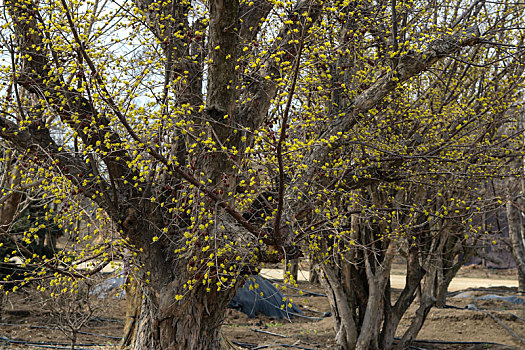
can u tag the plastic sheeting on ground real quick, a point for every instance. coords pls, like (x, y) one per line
(258, 295)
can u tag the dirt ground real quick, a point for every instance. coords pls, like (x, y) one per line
(25, 319)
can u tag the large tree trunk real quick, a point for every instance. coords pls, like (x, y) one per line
(393, 314)
(344, 321)
(518, 243)
(178, 308)
(451, 268)
(426, 302)
(133, 303)
(194, 322)
(378, 276)
(314, 273)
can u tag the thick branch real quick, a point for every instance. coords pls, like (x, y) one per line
(409, 66)
(73, 108)
(282, 137)
(35, 140)
(251, 16)
(262, 90)
(222, 50)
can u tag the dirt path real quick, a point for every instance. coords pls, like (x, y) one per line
(460, 283)
(398, 281)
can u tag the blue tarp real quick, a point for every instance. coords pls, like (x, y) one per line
(258, 295)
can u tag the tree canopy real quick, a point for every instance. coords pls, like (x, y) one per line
(212, 137)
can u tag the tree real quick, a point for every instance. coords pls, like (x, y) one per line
(515, 208)
(220, 135)
(11, 204)
(71, 311)
(416, 166)
(20, 234)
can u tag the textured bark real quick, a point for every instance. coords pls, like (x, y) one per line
(223, 40)
(463, 254)
(9, 205)
(393, 314)
(378, 278)
(344, 322)
(192, 323)
(261, 92)
(133, 303)
(421, 314)
(515, 222)
(220, 102)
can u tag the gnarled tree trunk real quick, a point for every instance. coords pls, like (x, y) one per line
(516, 226)
(515, 207)
(344, 316)
(192, 323)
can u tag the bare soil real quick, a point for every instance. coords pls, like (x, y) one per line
(24, 319)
